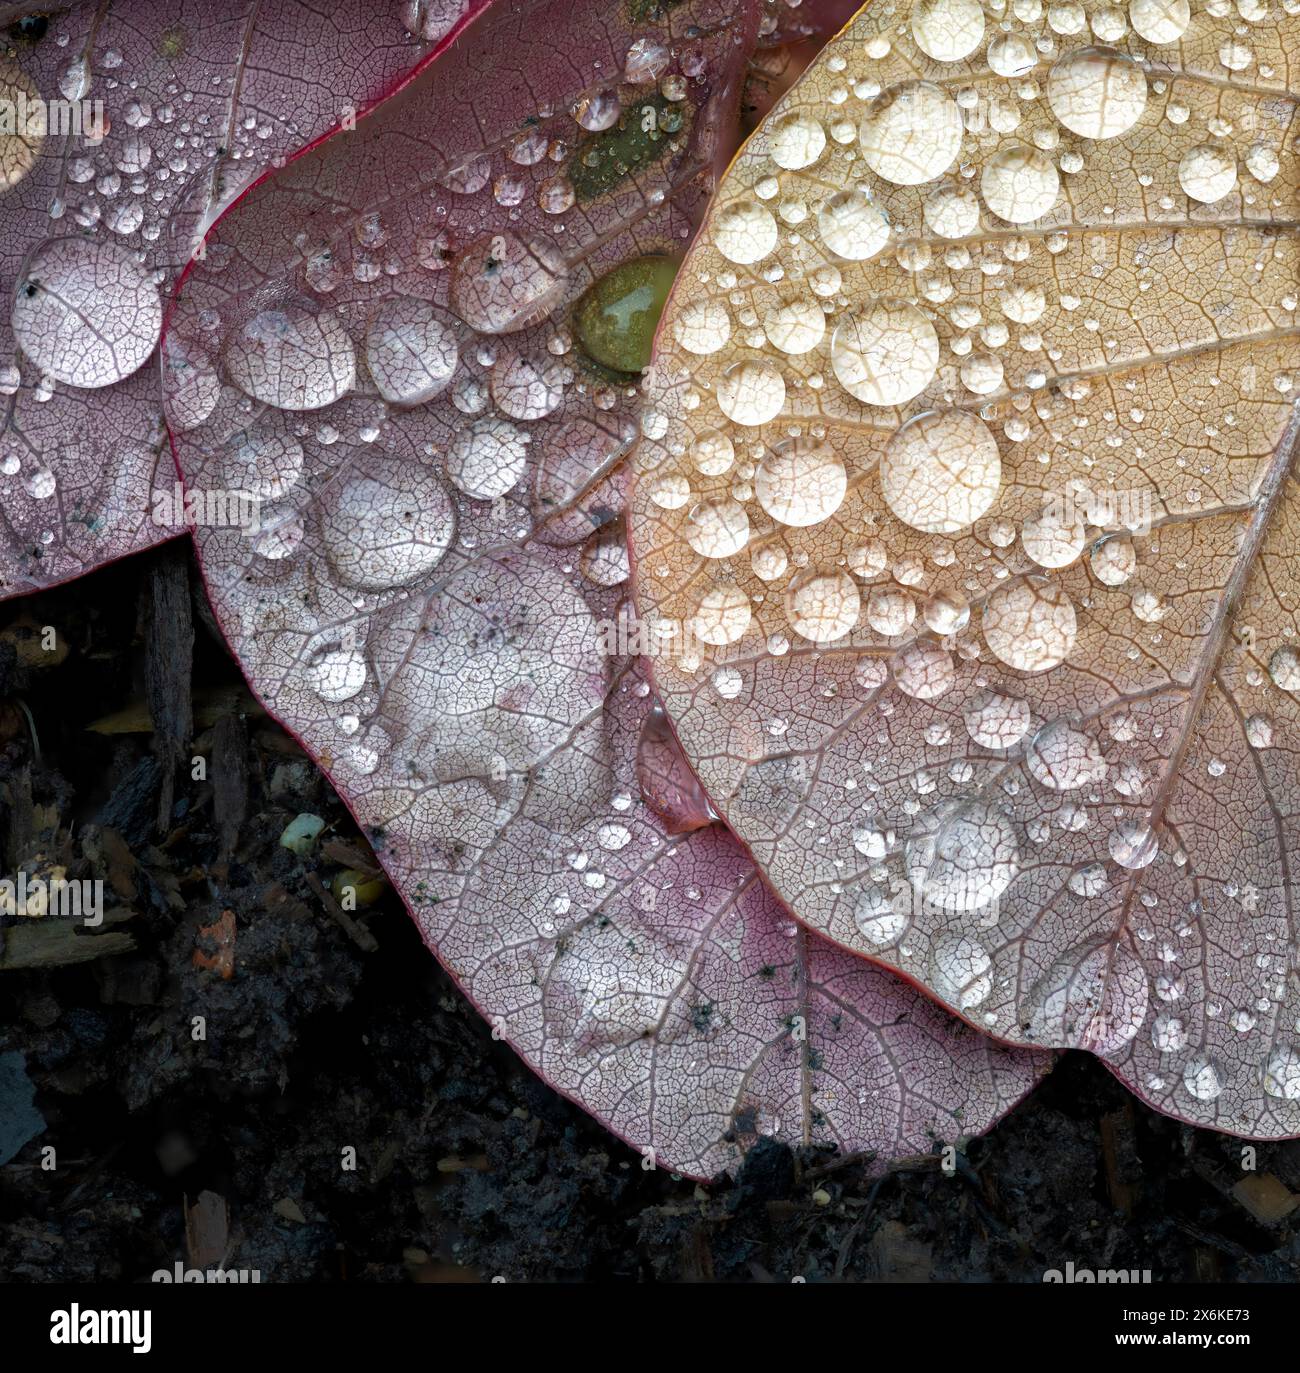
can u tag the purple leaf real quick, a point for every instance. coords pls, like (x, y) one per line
(380, 344)
(154, 114)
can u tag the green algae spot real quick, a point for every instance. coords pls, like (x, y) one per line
(615, 320)
(644, 133)
(650, 11)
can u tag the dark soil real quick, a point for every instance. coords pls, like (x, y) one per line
(229, 1150)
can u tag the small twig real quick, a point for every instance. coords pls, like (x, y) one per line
(358, 933)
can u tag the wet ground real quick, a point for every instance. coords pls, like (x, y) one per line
(336, 1034)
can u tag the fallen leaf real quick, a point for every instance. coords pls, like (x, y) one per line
(968, 495)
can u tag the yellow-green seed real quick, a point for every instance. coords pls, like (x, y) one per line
(616, 319)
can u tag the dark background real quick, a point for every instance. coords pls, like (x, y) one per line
(228, 1152)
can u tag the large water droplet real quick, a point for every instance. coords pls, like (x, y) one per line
(960, 968)
(885, 354)
(668, 785)
(879, 920)
(501, 283)
(796, 140)
(387, 526)
(1065, 758)
(745, 232)
(1091, 998)
(852, 225)
(1097, 93)
(1134, 845)
(487, 459)
(267, 465)
(411, 351)
(822, 605)
(948, 30)
(292, 359)
(717, 528)
(995, 721)
(800, 482)
(1020, 184)
(751, 393)
(1208, 172)
(1282, 1073)
(912, 133)
(86, 312)
(1160, 21)
(1030, 624)
(963, 855)
(941, 471)
(1203, 1079)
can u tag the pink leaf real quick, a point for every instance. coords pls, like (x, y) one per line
(430, 596)
(154, 115)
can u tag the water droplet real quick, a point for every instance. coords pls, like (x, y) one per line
(795, 328)
(1020, 184)
(501, 283)
(487, 459)
(995, 721)
(1030, 624)
(702, 326)
(1053, 538)
(852, 225)
(86, 312)
(292, 359)
(266, 465)
(1092, 998)
(410, 351)
(1134, 845)
(598, 112)
(745, 232)
(796, 140)
(948, 30)
(617, 316)
(1012, 55)
(668, 785)
(1282, 1073)
(876, 918)
(890, 612)
(822, 605)
(1168, 1034)
(1259, 731)
(912, 133)
(1207, 172)
(800, 482)
(1065, 758)
(951, 211)
(1203, 1079)
(963, 855)
(387, 526)
(924, 671)
(1097, 94)
(721, 617)
(941, 471)
(751, 393)
(337, 673)
(886, 353)
(1160, 21)
(1284, 668)
(717, 528)
(960, 968)
(1114, 560)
